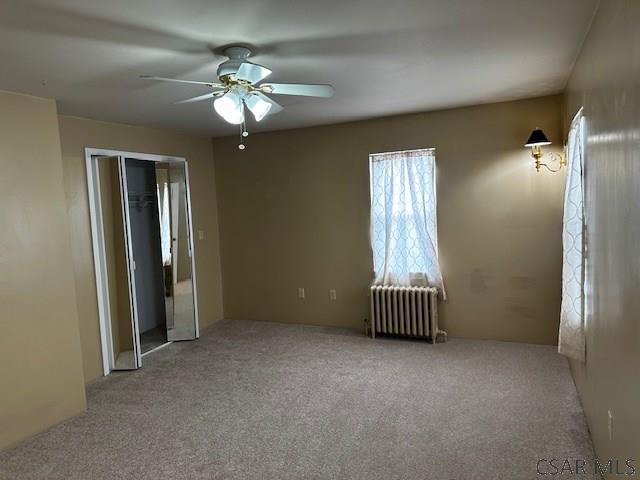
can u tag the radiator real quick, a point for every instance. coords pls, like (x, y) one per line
(405, 311)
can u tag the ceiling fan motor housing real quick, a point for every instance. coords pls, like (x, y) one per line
(237, 56)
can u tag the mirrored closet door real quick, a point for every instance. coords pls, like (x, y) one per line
(176, 250)
(143, 252)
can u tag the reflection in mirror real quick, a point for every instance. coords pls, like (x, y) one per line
(176, 251)
(119, 302)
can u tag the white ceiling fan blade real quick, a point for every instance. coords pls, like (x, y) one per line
(199, 98)
(261, 105)
(252, 73)
(300, 89)
(175, 80)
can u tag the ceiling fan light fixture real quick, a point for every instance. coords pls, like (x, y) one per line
(258, 106)
(229, 107)
(240, 84)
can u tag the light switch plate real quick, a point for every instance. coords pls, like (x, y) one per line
(333, 294)
(201, 234)
(301, 292)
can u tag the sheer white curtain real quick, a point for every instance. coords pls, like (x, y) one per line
(571, 338)
(165, 228)
(403, 219)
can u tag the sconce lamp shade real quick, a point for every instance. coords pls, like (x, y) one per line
(537, 139)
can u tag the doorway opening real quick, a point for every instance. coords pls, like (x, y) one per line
(143, 253)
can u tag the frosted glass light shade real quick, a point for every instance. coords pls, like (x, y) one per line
(229, 107)
(258, 106)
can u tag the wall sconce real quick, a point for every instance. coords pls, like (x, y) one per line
(536, 141)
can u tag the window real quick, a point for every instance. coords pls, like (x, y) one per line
(403, 218)
(571, 339)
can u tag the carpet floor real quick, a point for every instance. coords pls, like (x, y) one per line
(253, 400)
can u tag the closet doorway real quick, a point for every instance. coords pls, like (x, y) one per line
(143, 253)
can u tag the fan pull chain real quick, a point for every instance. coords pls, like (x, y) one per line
(243, 135)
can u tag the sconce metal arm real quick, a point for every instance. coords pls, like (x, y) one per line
(559, 158)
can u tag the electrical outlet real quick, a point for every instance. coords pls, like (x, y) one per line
(301, 292)
(610, 424)
(333, 294)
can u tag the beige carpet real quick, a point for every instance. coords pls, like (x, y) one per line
(253, 400)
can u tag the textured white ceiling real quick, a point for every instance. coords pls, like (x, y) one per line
(383, 57)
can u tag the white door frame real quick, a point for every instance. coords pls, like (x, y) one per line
(99, 256)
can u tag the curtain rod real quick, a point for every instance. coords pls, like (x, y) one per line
(402, 151)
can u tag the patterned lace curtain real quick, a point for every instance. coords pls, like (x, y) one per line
(404, 235)
(571, 339)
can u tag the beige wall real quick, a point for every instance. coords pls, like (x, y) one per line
(76, 134)
(294, 212)
(40, 362)
(605, 82)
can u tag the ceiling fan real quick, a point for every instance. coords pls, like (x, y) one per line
(240, 86)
